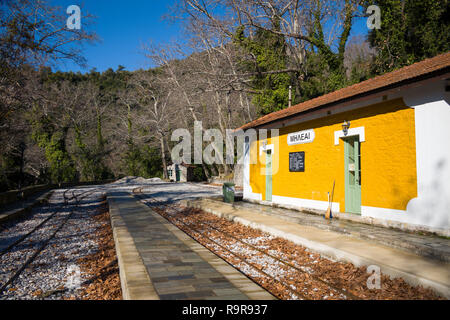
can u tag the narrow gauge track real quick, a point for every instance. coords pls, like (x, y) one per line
(44, 244)
(39, 225)
(189, 229)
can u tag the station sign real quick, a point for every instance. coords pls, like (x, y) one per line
(306, 136)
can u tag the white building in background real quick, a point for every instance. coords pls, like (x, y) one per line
(180, 172)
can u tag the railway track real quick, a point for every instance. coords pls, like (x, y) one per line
(209, 233)
(42, 244)
(38, 226)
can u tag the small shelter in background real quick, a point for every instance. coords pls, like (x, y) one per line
(180, 172)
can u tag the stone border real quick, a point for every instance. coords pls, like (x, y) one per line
(134, 279)
(248, 287)
(360, 219)
(14, 213)
(12, 196)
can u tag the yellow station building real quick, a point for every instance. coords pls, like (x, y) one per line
(384, 143)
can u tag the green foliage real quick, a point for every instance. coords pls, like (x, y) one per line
(144, 162)
(270, 52)
(410, 31)
(151, 162)
(319, 78)
(89, 157)
(360, 70)
(90, 160)
(199, 174)
(62, 168)
(9, 171)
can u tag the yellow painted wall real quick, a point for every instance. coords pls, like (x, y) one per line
(388, 158)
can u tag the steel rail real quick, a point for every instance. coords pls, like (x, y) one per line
(45, 243)
(243, 259)
(346, 293)
(22, 238)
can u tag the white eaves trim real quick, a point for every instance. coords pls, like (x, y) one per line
(359, 131)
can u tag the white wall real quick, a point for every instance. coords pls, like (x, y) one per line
(432, 118)
(183, 173)
(248, 192)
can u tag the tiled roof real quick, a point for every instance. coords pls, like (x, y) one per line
(415, 70)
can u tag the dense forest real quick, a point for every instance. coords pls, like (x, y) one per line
(236, 62)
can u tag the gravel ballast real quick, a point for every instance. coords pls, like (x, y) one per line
(286, 270)
(65, 268)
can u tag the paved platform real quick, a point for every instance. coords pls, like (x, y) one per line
(159, 261)
(430, 246)
(336, 245)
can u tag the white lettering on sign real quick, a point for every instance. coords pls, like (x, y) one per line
(300, 137)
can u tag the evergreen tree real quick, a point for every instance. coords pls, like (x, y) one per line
(410, 31)
(62, 168)
(270, 52)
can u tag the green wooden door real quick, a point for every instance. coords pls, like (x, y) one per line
(269, 175)
(177, 173)
(352, 175)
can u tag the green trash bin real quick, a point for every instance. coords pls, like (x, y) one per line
(228, 192)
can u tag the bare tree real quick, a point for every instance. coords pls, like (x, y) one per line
(165, 58)
(33, 33)
(306, 25)
(153, 95)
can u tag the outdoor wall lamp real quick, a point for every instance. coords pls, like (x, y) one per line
(345, 127)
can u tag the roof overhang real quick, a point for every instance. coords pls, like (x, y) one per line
(361, 100)
(389, 84)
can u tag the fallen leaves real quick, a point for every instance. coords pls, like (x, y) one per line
(345, 277)
(102, 266)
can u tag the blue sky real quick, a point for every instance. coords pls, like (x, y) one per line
(124, 25)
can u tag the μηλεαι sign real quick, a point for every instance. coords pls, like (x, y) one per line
(306, 136)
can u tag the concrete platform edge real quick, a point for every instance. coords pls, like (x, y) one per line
(360, 219)
(13, 214)
(327, 251)
(238, 279)
(131, 267)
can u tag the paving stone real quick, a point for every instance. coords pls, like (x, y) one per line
(175, 288)
(173, 296)
(175, 269)
(416, 269)
(425, 245)
(181, 277)
(226, 292)
(214, 285)
(219, 279)
(159, 279)
(199, 294)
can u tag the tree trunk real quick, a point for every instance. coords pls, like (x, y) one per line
(163, 157)
(205, 170)
(99, 129)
